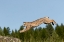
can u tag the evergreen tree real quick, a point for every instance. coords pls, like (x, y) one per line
(49, 29)
(36, 34)
(16, 34)
(60, 30)
(13, 33)
(6, 31)
(21, 35)
(44, 34)
(1, 32)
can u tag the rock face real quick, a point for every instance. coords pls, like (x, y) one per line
(9, 39)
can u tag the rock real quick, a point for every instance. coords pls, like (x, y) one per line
(9, 39)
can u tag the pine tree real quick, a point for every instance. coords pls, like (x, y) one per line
(60, 30)
(44, 34)
(1, 32)
(50, 29)
(21, 35)
(13, 33)
(16, 34)
(6, 31)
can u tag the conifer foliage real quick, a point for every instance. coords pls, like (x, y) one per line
(39, 34)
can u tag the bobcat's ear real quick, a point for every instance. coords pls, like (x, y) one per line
(46, 17)
(24, 22)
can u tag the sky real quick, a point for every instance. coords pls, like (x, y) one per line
(14, 12)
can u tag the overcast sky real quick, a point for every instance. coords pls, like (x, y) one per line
(14, 12)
